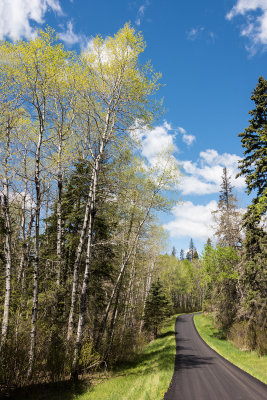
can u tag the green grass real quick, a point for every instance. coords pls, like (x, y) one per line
(147, 377)
(249, 361)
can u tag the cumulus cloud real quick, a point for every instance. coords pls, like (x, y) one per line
(199, 178)
(188, 139)
(155, 141)
(191, 220)
(255, 28)
(204, 176)
(17, 15)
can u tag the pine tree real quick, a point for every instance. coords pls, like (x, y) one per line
(157, 308)
(174, 251)
(254, 141)
(191, 251)
(227, 216)
(182, 254)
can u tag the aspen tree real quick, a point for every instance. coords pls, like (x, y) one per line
(33, 67)
(118, 95)
(6, 207)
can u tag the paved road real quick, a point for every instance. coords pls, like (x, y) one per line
(201, 374)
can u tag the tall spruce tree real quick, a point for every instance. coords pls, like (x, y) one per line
(191, 251)
(227, 217)
(173, 252)
(253, 274)
(254, 141)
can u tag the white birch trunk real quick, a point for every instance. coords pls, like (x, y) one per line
(75, 283)
(59, 210)
(36, 255)
(83, 297)
(5, 201)
(88, 220)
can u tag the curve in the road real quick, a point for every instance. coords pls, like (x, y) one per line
(202, 374)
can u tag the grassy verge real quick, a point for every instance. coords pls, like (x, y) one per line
(249, 361)
(147, 377)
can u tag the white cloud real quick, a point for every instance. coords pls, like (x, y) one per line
(199, 178)
(191, 220)
(16, 16)
(182, 130)
(70, 38)
(212, 36)
(256, 21)
(155, 141)
(194, 33)
(188, 139)
(141, 12)
(194, 185)
(204, 176)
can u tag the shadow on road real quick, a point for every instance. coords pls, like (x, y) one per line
(190, 361)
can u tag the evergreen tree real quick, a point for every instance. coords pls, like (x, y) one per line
(174, 251)
(191, 251)
(195, 255)
(254, 141)
(157, 308)
(182, 254)
(253, 277)
(226, 190)
(227, 216)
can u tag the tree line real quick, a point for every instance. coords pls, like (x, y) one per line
(79, 238)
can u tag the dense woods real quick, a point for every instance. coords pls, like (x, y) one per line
(79, 238)
(83, 278)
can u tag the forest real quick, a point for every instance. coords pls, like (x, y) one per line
(85, 280)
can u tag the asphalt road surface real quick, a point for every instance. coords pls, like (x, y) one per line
(202, 374)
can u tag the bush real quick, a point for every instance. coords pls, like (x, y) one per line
(261, 342)
(241, 336)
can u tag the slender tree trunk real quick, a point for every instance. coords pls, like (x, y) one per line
(88, 220)
(83, 297)
(129, 296)
(112, 324)
(59, 210)
(123, 266)
(46, 214)
(75, 283)
(104, 321)
(147, 288)
(125, 261)
(24, 262)
(23, 221)
(36, 255)
(5, 200)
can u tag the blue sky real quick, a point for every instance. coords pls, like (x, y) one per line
(211, 54)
